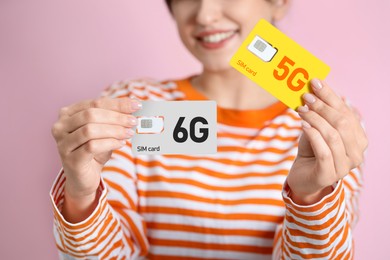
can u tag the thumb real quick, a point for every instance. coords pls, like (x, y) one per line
(304, 147)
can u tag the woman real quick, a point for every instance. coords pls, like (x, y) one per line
(266, 193)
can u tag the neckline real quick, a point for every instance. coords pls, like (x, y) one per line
(253, 118)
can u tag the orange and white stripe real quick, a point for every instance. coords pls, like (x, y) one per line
(231, 205)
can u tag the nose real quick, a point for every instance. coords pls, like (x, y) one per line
(209, 12)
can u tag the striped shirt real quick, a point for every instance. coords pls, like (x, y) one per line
(234, 204)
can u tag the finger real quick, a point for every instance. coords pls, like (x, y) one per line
(346, 124)
(304, 147)
(97, 116)
(122, 105)
(91, 132)
(342, 122)
(332, 139)
(97, 149)
(327, 95)
(323, 155)
(320, 107)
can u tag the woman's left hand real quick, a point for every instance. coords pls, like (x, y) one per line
(332, 144)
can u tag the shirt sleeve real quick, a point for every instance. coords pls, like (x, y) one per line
(114, 229)
(322, 230)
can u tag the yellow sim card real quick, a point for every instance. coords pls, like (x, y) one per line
(278, 64)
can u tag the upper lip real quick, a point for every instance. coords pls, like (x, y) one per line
(207, 33)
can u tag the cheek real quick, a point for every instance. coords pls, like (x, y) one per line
(185, 35)
(249, 14)
(185, 32)
(182, 26)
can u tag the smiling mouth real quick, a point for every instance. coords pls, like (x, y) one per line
(216, 37)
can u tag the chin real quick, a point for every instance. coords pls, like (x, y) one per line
(216, 65)
(216, 69)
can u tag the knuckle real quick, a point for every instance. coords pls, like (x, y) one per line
(89, 115)
(55, 130)
(342, 123)
(97, 103)
(87, 131)
(90, 147)
(63, 111)
(325, 156)
(333, 137)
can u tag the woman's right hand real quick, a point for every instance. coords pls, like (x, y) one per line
(86, 134)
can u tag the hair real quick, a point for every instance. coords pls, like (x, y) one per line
(168, 2)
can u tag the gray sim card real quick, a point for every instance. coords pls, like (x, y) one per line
(176, 127)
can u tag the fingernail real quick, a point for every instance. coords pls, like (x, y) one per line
(136, 104)
(123, 142)
(305, 124)
(303, 109)
(133, 120)
(309, 98)
(130, 132)
(316, 83)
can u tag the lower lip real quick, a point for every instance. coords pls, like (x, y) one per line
(216, 45)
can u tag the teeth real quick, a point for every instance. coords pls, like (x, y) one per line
(214, 38)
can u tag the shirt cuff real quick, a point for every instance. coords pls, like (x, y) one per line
(318, 210)
(57, 199)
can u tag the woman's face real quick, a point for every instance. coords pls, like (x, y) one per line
(212, 30)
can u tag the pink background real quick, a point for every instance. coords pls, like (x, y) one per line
(54, 53)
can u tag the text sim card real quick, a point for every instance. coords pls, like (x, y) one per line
(176, 127)
(150, 124)
(278, 64)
